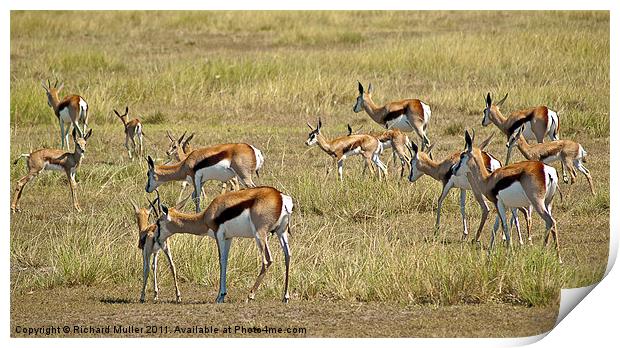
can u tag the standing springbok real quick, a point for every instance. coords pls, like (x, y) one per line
(570, 154)
(346, 146)
(408, 115)
(53, 159)
(395, 139)
(539, 121)
(220, 162)
(133, 131)
(519, 185)
(250, 213)
(69, 111)
(422, 163)
(179, 149)
(146, 243)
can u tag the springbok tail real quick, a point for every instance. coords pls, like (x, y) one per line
(27, 155)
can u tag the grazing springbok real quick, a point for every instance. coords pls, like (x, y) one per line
(250, 213)
(570, 154)
(423, 163)
(539, 121)
(346, 146)
(178, 151)
(408, 115)
(220, 162)
(395, 139)
(146, 243)
(69, 111)
(519, 185)
(133, 131)
(53, 159)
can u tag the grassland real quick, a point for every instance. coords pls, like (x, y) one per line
(257, 77)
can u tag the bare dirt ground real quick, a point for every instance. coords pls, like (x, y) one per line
(100, 307)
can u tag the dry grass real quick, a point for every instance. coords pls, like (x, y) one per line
(256, 78)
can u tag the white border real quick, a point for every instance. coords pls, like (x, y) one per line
(594, 321)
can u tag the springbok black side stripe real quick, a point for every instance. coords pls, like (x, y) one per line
(233, 211)
(518, 123)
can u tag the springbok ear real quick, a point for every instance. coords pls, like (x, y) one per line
(181, 138)
(414, 149)
(360, 88)
(90, 132)
(191, 136)
(370, 88)
(44, 87)
(503, 100)
(468, 142)
(74, 133)
(126, 110)
(149, 160)
(309, 125)
(164, 209)
(488, 100)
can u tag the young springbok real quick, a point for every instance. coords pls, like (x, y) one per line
(69, 111)
(395, 139)
(408, 115)
(53, 159)
(220, 162)
(570, 154)
(519, 185)
(146, 243)
(346, 146)
(250, 213)
(539, 121)
(133, 131)
(422, 163)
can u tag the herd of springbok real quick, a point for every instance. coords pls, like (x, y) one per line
(255, 212)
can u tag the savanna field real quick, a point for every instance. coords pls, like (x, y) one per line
(365, 261)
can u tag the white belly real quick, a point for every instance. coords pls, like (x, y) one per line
(551, 159)
(220, 171)
(65, 117)
(56, 167)
(355, 151)
(514, 196)
(401, 122)
(461, 182)
(239, 227)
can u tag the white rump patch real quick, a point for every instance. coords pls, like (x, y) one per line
(553, 121)
(260, 159)
(83, 105)
(240, 226)
(401, 122)
(355, 151)
(494, 164)
(220, 171)
(550, 185)
(427, 112)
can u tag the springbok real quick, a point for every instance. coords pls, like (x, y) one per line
(423, 163)
(220, 162)
(53, 159)
(69, 111)
(146, 243)
(408, 115)
(539, 121)
(346, 146)
(250, 213)
(395, 139)
(570, 154)
(519, 185)
(178, 149)
(133, 131)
